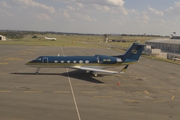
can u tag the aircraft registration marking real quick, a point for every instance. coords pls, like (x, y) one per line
(107, 60)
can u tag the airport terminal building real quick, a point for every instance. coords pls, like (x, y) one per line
(169, 46)
(165, 44)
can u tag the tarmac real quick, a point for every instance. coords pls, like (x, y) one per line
(149, 90)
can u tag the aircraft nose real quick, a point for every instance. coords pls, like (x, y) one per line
(28, 63)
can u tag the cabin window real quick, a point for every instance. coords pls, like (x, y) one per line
(80, 61)
(74, 61)
(56, 61)
(62, 61)
(38, 59)
(87, 61)
(68, 61)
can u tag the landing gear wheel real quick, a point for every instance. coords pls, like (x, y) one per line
(93, 73)
(37, 71)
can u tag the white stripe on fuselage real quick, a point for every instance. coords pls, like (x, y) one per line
(71, 65)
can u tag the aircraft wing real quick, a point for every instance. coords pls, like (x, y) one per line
(100, 70)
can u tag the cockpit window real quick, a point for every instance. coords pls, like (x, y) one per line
(38, 58)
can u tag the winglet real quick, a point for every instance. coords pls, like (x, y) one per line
(124, 69)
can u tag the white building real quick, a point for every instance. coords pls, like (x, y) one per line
(3, 38)
(149, 50)
(170, 47)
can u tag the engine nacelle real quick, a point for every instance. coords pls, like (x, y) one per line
(107, 59)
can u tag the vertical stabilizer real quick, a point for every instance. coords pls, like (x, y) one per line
(133, 53)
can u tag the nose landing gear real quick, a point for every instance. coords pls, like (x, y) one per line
(37, 71)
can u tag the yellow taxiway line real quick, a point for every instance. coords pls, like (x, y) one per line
(4, 63)
(160, 101)
(132, 101)
(146, 92)
(172, 96)
(90, 92)
(32, 91)
(62, 92)
(5, 91)
(103, 96)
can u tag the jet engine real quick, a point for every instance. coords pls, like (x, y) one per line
(107, 59)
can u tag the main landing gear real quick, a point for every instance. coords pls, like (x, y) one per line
(37, 71)
(94, 73)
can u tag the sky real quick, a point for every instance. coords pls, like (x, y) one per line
(152, 17)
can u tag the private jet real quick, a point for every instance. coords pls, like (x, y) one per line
(53, 39)
(92, 64)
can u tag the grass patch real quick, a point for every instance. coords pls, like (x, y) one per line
(76, 40)
(83, 41)
(162, 59)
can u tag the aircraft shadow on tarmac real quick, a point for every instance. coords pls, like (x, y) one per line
(81, 75)
(77, 74)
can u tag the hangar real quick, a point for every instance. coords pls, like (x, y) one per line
(169, 46)
(3, 38)
(165, 44)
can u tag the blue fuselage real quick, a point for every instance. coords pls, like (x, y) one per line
(70, 61)
(90, 63)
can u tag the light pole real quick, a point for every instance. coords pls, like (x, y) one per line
(174, 33)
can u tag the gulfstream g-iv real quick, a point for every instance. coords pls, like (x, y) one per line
(92, 64)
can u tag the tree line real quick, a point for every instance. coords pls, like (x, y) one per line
(16, 34)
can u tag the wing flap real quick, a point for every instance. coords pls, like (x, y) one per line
(95, 69)
(100, 70)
